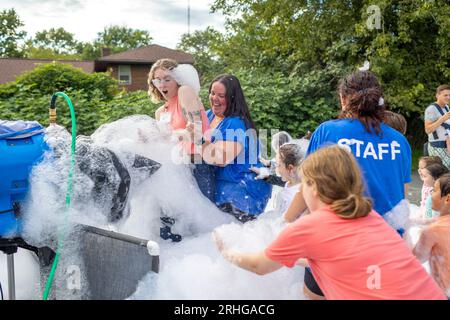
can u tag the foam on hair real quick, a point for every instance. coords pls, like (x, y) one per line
(186, 75)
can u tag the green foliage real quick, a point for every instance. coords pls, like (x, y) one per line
(297, 103)
(203, 45)
(121, 38)
(116, 38)
(52, 77)
(126, 104)
(91, 108)
(409, 52)
(58, 40)
(10, 34)
(33, 52)
(94, 97)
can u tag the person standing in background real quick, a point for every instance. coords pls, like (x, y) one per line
(437, 125)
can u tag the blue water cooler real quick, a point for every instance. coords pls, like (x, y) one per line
(21, 146)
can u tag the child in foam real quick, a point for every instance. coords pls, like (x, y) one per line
(288, 160)
(429, 175)
(434, 242)
(395, 121)
(268, 172)
(353, 253)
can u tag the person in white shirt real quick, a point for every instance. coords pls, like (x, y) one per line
(288, 160)
(437, 125)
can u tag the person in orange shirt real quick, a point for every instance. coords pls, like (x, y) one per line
(434, 242)
(353, 253)
(184, 116)
(178, 86)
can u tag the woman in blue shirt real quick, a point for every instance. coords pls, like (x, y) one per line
(233, 148)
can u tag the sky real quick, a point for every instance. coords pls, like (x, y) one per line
(165, 20)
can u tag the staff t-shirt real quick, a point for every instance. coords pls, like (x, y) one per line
(385, 159)
(354, 259)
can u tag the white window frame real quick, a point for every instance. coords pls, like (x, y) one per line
(124, 70)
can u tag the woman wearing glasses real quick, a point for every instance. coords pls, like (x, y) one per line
(178, 86)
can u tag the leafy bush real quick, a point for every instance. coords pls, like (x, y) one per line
(95, 97)
(297, 103)
(52, 77)
(91, 110)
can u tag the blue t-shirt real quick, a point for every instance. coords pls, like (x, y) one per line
(384, 159)
(235, 183)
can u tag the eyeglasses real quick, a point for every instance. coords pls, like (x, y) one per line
(158, 82)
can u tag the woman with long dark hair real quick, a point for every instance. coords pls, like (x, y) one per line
(234, 148)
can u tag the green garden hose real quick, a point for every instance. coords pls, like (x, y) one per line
(61, 231)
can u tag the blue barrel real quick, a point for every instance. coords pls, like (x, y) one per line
(18, 153)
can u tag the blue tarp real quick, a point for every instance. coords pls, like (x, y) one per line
(21, 146)
(19, 129)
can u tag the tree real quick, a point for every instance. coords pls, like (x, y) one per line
(116, 38)
(58, 40)
(10, 34)
(204, 46)
(122, 38)
(88, 51)
(406, 42)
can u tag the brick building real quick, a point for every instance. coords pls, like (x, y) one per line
(130, 68)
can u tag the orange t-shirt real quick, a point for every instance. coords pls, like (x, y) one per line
(178, 121)
(354, 259)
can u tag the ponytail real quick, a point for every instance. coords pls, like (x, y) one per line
(352, 207)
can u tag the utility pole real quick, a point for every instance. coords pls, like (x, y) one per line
(189, 17)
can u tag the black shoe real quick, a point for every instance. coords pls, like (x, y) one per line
(176, 237)
(166, 234)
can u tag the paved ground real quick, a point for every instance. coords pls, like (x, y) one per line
(415, 188)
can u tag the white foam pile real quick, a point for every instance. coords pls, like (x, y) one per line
(191, 269)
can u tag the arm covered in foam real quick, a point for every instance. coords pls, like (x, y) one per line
(256, 262)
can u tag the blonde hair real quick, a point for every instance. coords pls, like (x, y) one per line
(164, 64)
(338, 180)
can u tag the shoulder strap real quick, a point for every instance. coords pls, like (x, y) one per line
(439, 109)
(446, 126)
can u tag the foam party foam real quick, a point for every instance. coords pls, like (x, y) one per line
(190, 269)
